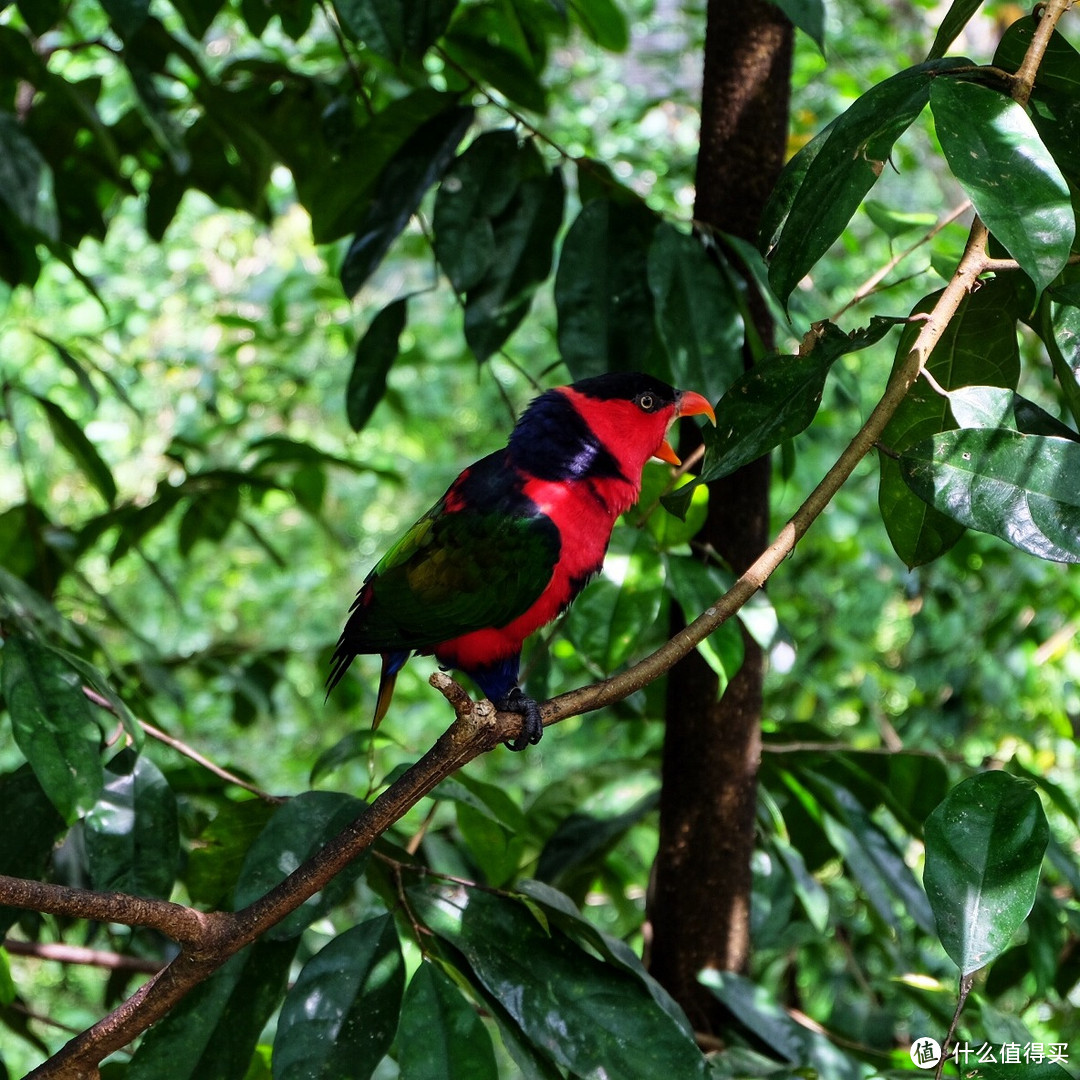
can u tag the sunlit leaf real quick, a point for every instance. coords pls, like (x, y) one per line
(1024, 489)
(984, 849)
(1012, 180)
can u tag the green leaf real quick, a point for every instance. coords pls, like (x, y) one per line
(984, 848)
(132, 833)
(997, 406)
(977, 347)
(824, 183)
(126, 16)
(53, 724)
(956, 18)
(1058, 324)
(297, 831)
(441, 1037)
(25, 851)
(697, 314)
(340, 1015)
(807, 16)
(604, 22)
(1024, 489)
(375, 355)
(696, 586)
(1042, 1070)
(775, 400)
(395, 29)
(602, 295)
(1012, 180)
(405, 180)
(590, 1017)
(757, 1010)
(26, 181)
(218, 852)
(71, 436)
(523, 234)
(211, 1034)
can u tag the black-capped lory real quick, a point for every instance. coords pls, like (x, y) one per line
(515, 538)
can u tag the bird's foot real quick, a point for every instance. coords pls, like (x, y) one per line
(532, 724)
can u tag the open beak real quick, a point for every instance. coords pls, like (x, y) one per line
(687, 404)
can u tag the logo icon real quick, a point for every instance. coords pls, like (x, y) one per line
(925, 1052)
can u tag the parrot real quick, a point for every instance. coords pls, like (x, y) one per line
(514, 539)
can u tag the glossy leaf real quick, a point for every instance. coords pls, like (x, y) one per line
(132, 833)
(441, 1037)
(984, 849)
(339, 1017)
(25, 851)
(978, 347)
(53, 724)
(697, 314)
(838, 171)
(956, 18)
(1022, 488)
(775, 400)
(1012, 180)
(375, 355)
(807, 16)
(997, 406)
(602, 295)
(217, 856)
(582, 1014)
(1058, 324)
(211, 1034)
(405, 180)
(297, 830)
(395, 29)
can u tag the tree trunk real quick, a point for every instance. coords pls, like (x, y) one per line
(700, 904)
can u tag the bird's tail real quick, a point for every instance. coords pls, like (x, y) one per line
(392, 663)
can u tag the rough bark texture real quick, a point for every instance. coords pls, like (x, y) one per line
(700, 906)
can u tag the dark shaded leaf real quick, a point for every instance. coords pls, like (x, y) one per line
(1024, 489)
(581, 1013)
(441, 1037)
(1013, 182)
(25, 851)
(604, 22)
(978, 347)
(297, 830)
(132, 833)
(697, 313)
(70, 435)
(339, 1017)
(376, 352)
(602, 295)
(1057, 322)
(396, 29)
(823, 185)
(218, 852)
(984, 849)
(53, 724)
(126, 16)
(807, 16)
(211, 1034)
(26, 182)
(403, 183)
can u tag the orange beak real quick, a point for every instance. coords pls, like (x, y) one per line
(686, 404)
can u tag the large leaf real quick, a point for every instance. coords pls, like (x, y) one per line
(395, 29)
(1022, 488)
(212, 1032)
(1057, 322)
(1011, 178)
(339, 1017)
(590, 1017)
(697, 313)
(132, 833)
(998, 407)
(977, 347)
(375, 355)
(218, 852)
(403, 183)
(441, 1037)
(836, 172)
(53, 724)
(984, 847)
(775, 400)
(297, 830)
(72, 437)
(602, 295)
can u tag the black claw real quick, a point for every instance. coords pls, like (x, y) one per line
(532, 724)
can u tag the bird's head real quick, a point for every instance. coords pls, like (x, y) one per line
(630, 414)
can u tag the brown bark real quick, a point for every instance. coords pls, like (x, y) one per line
(700, 906)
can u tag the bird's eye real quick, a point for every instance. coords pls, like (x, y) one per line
(646, 401)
